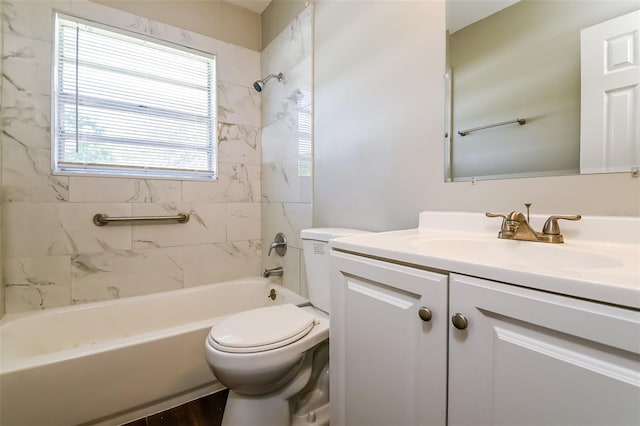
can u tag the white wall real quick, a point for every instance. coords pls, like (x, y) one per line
(379, 125)
(378, 110)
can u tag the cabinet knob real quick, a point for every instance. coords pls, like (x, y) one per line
(425, 313)
(459, 321)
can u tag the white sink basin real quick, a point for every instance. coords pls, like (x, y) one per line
(520, 254)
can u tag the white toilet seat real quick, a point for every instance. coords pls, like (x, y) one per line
(262, 329)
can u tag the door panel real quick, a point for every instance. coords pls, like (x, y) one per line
(610, 95)
(532, 358)
(390, 366)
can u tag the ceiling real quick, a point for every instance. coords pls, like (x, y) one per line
(461, 13)
(257, 6)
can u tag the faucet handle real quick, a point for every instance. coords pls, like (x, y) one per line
(502, 215)
(551, 226)
(505, 218)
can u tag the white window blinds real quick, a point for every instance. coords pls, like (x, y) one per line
(124, 105)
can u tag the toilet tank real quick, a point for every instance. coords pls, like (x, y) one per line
(316, 258)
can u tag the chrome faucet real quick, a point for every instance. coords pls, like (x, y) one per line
(515, 226)
(273, 272)
(279, 244)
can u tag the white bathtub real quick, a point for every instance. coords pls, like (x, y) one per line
(111, 362)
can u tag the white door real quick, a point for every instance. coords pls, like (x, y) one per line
(532, 358)
(388, 365)
(610, 96)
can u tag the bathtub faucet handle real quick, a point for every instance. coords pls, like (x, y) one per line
(279, 243)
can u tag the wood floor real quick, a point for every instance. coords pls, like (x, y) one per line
(206, 411)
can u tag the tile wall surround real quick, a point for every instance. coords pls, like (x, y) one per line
(1, 85)
(287, 192)
(52, 253)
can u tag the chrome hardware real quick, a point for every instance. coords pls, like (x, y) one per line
(515, 226)
(273, 272)
(425, 314)
(280, 244)
(459, 321)
(100, 219)
(520, 121)
(272, 294)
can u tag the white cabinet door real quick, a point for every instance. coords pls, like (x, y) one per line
(610, 95)
(533, 358)
(388, 366)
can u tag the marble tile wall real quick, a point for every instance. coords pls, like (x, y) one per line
(1, 81)
(52, 253)
(287, 146)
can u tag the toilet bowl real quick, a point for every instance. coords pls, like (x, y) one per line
(252, 369)
(274, 360)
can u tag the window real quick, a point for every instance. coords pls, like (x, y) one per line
(125, 105)
(304, 134)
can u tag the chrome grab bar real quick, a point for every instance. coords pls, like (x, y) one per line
(520, 121)
(102, 219)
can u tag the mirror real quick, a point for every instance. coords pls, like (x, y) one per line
(514, 85)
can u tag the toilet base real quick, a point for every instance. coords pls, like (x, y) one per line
(265, 410)
(253, 411)
(244, 410)
(318, 417)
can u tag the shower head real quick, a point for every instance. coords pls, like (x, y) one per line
(259, 85)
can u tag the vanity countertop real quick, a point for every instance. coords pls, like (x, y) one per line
(599, 260)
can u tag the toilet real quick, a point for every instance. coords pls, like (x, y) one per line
(275, 360)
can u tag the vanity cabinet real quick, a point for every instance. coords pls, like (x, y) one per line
(388, 343)
(515, 356)
(528, 357)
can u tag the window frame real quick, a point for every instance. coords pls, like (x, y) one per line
(121, 171)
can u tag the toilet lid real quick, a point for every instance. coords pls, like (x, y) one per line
(261, 329)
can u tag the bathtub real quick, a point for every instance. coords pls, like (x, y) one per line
(115, 361)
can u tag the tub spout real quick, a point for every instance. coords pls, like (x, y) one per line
(273, 272)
